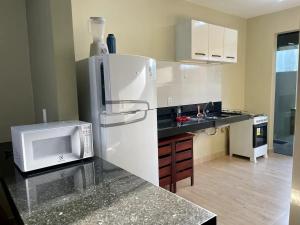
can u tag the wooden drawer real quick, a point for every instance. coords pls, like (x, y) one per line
(184, 174)
(187, 164)
(165, 161)
(165, 150)
(184, 145)
(165, 181)
(184, 155)
(165, 171)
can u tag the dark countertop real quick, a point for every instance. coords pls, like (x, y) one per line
(95, 192)
(168, 128)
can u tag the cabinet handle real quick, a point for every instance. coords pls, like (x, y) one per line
(218, 56)
(230, 57)
(199, 53)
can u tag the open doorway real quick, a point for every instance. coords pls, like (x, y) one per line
(287, 55)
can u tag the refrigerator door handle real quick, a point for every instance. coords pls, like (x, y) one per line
(121, 113)
(125, 122)
(118, 102)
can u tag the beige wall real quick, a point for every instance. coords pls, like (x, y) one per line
(147, 27)
(64, 59)
(16, 97)
(52, 59)
(260, 67)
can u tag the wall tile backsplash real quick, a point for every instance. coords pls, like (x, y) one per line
(185, 84)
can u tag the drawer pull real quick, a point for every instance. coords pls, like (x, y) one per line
(184, 174)
(165, 181)
(165, 150)
(230, 57)
(184, 165)
(217, 56)
(186, 145)
(199, 53)
(165, 161)
(184, 155)
(165, 171)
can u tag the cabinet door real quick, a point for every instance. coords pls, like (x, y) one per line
(216, 43)
(199, 40)
(230, 45)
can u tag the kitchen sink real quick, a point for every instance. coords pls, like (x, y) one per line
(196, 119)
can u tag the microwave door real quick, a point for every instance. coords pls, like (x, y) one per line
(128, 83)
(53, 146)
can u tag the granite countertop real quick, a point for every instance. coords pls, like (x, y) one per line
(168, 128)
(97, 192)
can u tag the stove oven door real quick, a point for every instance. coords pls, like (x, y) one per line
(260, 135)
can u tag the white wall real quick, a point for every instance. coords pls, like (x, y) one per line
(186, 84)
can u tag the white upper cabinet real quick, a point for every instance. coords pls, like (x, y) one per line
(216, 43)
(197, 41)
(230, 45)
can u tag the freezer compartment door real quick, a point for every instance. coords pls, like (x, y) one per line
(129, 83)
(132, 146)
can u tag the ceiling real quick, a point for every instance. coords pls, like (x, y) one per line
(247, 8)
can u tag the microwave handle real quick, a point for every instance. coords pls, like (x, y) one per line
(81, 142)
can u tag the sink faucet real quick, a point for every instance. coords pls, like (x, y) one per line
(205, 109)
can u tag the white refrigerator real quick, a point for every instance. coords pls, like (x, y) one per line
(117, 94)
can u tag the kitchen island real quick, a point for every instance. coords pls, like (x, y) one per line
(95, 192)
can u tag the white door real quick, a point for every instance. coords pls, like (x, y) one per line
(132, 146)
(129, 83)
(230, 45)
(199, 40)
(216, 42)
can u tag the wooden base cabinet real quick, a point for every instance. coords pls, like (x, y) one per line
(175, 160)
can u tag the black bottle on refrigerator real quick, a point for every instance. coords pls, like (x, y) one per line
(111, 43)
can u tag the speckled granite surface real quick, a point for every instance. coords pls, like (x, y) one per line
(96, 192)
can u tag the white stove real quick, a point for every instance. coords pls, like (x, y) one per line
(249, 137)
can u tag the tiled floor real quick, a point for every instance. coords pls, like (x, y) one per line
(241, 192)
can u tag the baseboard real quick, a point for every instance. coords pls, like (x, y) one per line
(209, 157)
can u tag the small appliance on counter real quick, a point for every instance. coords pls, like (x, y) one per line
(96, 28)
(48, 144)
(249, 137)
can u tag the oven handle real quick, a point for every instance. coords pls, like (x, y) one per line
(260, 125)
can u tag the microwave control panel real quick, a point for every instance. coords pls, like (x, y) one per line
(87, 138)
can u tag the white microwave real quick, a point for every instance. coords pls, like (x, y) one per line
(48, 144)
